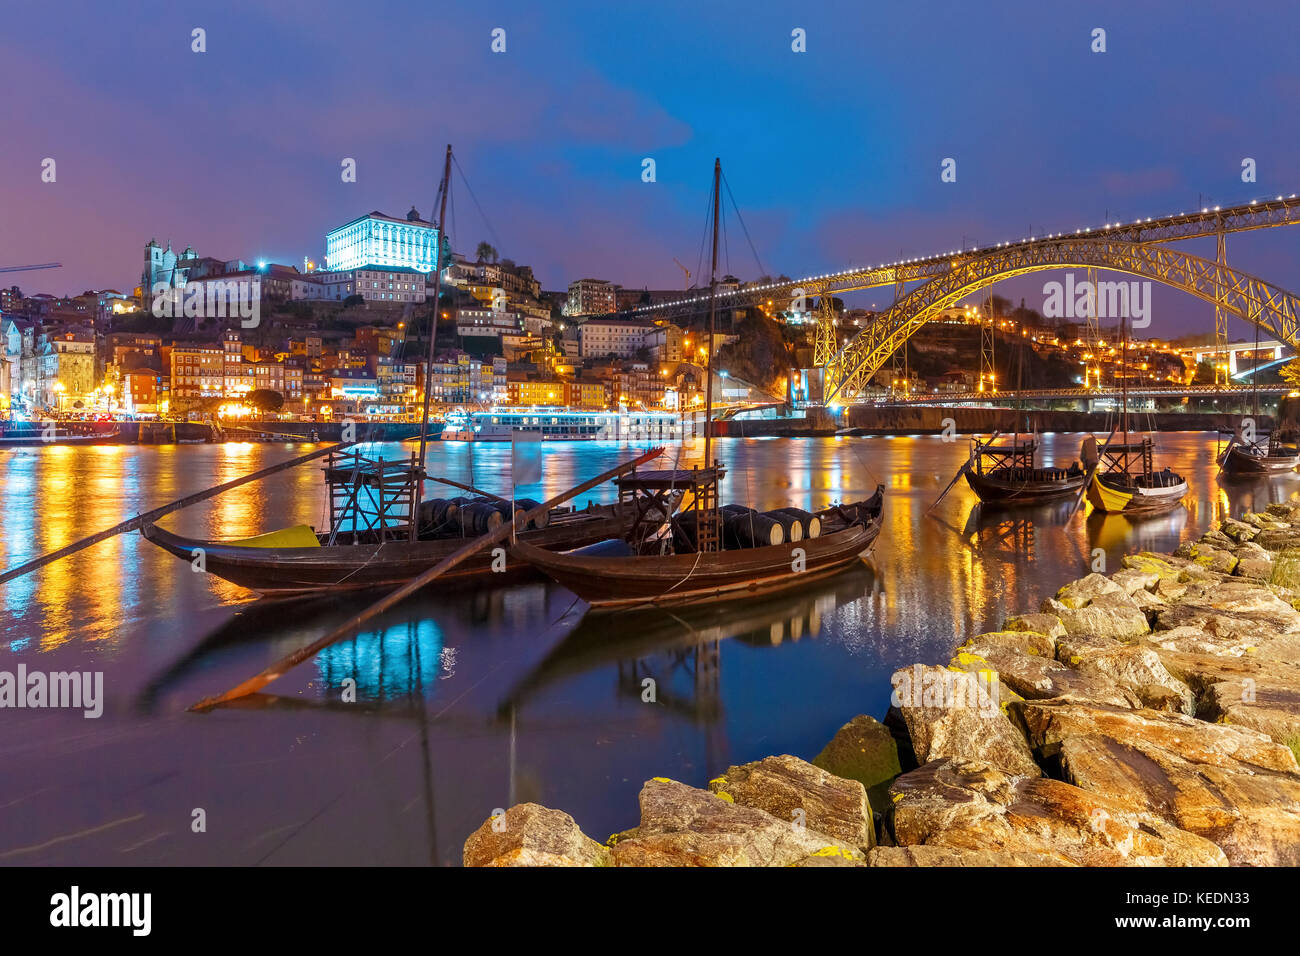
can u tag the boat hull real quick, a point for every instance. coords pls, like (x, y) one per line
(666, 580)
(1239, 462)
(1007, 490)
(1114, 497)
(303, 570)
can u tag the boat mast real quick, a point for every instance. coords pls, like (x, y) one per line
(713, 286)
(433, 315)
(1254, 381)
(1123, 371)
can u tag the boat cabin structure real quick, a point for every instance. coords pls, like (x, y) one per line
(652, 497)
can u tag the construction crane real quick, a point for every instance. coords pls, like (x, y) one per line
(686, 270)
(43, 265)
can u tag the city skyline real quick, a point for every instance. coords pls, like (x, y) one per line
(833, 154)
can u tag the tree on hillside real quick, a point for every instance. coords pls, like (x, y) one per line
(486, 252)
(1290, 372)
(265, 400)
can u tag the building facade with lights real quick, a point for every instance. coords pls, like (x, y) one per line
(383, 241)
(197, 371)
(591, 297)
(622, 338)
(396, 285)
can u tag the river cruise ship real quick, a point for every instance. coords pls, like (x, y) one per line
(562, 424)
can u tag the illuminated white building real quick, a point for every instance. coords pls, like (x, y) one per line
(379, 240)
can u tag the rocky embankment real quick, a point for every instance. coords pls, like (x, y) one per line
(1146, 718)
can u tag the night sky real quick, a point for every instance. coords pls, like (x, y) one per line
(833, 155)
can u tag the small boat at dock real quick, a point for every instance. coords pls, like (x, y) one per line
(1268, 455)
(1126, 482)
(1124, 477)
(657, 573)
(707, 552)
(1006, 474)
(382, 536)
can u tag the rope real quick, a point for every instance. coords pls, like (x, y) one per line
(470, 190)
(741, 219)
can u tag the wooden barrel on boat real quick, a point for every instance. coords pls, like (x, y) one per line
(437, 513)
(528, 504)
(446, 510)
(480, 517)
(750, 529)
(792, 525)
(686, 534)
(812, 525)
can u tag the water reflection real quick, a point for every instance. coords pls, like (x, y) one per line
(510, 691)
(678, 649)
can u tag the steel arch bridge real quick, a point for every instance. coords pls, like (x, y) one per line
(1207, 222)
(1275, 310)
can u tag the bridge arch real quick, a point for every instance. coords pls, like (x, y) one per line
(1273, 309)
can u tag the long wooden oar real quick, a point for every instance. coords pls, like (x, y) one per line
(139, 520)
(960, 471)
(349, 627)
(1092, 471)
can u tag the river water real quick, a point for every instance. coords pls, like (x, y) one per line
(471, 700)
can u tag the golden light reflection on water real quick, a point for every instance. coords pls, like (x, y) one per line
(941, 572)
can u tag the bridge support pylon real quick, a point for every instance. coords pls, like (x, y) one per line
(1222, 369)
(824, 338)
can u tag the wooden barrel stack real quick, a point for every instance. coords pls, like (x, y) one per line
(442, 517)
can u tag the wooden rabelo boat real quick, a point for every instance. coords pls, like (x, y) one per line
(706, 552)
(1248, 455)
(379, 538)
(1125, 480)
(1006, 473)
(703, 553)
(1269, 455)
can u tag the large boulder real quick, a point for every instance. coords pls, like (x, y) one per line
(1254, 563)
(1234, 608)
(1219, 560)
(924, 855)
(971, 807)
(683, 826)
(1229, 784)
(952, 713)
(1128, 667)
(1084, 591)
(796, 791)
(533, 835)
(1279, 539)
(1024, 662)
(1267, 700)
(1132, 580)
(1108, 615)
(1048, 625)
(1165, 567)
(863, 750)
